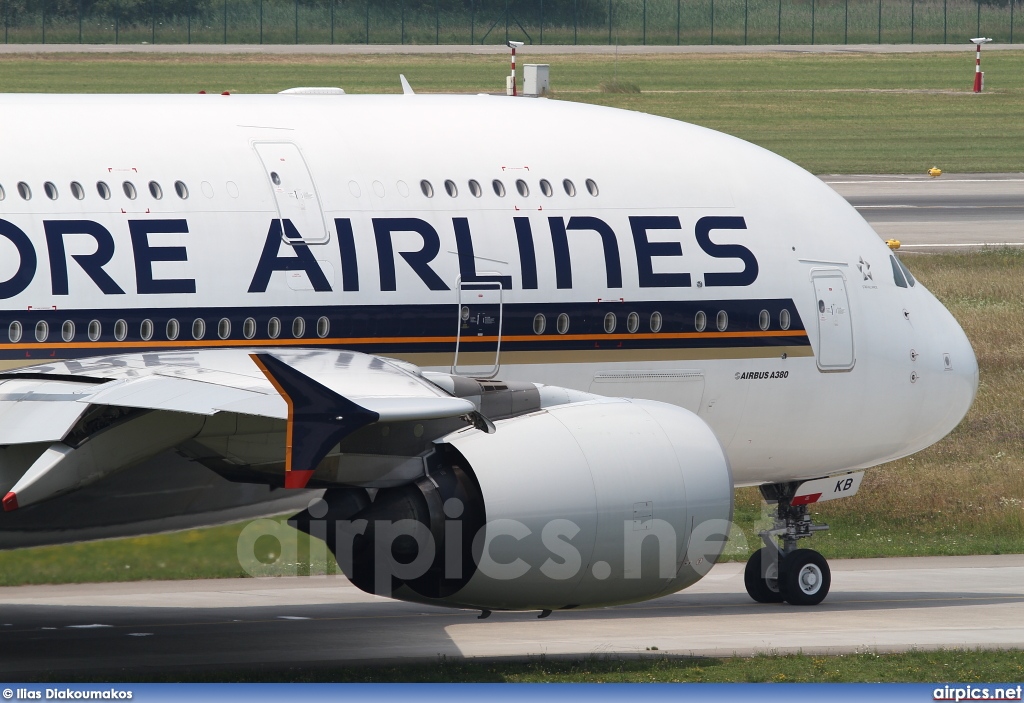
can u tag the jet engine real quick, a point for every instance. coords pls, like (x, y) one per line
(579, 505)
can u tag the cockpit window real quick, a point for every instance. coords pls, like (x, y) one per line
(906, 272)
(897, 272)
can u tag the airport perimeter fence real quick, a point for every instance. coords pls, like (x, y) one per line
(625, 22)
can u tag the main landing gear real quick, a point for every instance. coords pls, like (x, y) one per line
(797, 576)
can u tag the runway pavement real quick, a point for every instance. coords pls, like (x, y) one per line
(875, 604)
(953, 210)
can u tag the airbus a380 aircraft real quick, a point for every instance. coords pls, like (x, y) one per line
(528, 347)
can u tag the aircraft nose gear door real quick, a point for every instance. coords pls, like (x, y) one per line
(478, 341)
(835, 328)
(301, 217)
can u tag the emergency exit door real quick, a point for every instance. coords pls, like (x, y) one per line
(835, 327)
(478, 341)
(298, 205)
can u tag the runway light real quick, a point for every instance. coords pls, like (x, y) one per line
(935, 172)
(893, 244)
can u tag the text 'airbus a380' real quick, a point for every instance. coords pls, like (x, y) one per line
(528, 347)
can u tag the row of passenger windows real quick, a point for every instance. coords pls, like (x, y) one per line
(102, 189)
(172, 330)
(498, 186)
(656, 321)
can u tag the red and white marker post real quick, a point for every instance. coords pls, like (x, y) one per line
(513, 45)
(979, 79)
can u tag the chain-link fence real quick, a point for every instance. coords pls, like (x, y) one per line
(495, 21)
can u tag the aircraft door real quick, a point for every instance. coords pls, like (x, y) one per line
(835, 327)
(301, 215)
(478, 340)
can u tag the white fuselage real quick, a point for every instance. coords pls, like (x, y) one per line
(763, 302)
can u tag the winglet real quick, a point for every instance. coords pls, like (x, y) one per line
(406, 88)
(318, 418)
(10, 502)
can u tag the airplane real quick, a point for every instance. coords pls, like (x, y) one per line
(523, 350)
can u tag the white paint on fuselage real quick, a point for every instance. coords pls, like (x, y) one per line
(367, 156)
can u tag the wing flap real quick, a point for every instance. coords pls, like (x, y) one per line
(28, 421)
(174, 394)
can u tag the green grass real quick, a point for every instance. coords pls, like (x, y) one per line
(832, 113)
(955, 666)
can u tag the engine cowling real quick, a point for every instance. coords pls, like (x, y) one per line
(585, 504)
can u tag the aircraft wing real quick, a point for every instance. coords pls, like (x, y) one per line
(87, 418)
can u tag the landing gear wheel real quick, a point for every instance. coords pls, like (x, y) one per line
(763, 589)
(806, 577)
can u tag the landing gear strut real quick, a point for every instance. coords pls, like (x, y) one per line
(775, 574)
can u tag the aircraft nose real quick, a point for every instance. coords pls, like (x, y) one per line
(959, 370)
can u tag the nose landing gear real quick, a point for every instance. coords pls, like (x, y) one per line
(774, 574)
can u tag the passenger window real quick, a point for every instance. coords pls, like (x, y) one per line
(897, 273)
(610, 322)
(224, 328)
(562, 323)
(632, 322)
(129, 190)
(784, 319)
(428, 190)
(103, 189)
(722, 321)
(570, 188)
(50, 190)
(656, 321)
(249, 328)
(77, 190)
(499, 188)
(146, 330)
(592, 187)
(524, 190)
(273, 328)
(475, 189)
(545, 187)
(323, 327)
(155, 190)
(181, 189)
(120, 330)
(700, 321)
(14, 332)
(198, 328)
(95, 330)
(540, 323)
(3, 193)
(42, 331)
(67, 331)
(172, 330)
(24, 191)
(298, 327)
(451, 189)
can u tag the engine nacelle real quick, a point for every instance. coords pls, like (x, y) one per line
(585, 504)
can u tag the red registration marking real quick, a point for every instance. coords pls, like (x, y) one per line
(807, 499)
